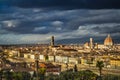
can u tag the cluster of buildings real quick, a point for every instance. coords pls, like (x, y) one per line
(55, 57)
(108, 44)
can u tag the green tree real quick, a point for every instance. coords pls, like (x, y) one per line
(75, 68)
(100, 65)
(46, 58)
(1, 73)
(26, 76)
(17, 76)
(70, 75)
(8, 75)
(42, 71)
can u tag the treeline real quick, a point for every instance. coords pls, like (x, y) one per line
(66, 75)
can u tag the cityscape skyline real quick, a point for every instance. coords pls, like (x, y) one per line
(59, 39)
(26, 22)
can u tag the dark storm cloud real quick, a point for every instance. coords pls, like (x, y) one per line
(30, 24)
(23, 27)
(25, 21)
(90, 17)
(64, 4)
(107, 29)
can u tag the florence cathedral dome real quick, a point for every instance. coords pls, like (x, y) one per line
(108, 41)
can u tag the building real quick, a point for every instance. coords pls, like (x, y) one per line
(89, 45)
(52, 41)
(108, 41)
(108, 44)
(49, 68)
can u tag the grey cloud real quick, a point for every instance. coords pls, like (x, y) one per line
(72, 19)
(107, 29)
(68, 23)
(64, 4)
(93, 17)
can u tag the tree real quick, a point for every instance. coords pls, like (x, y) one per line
(8, 75)
(70, 75)
(1, 72)
(100, 65)
(42, 71)
(46, 58)
(75, 68)
(17, 76)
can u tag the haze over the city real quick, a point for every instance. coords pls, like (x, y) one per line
(70, 21)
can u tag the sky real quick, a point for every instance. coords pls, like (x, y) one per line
(70, 21)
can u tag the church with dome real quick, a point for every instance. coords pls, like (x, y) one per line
(107, 44)
(108, 41)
